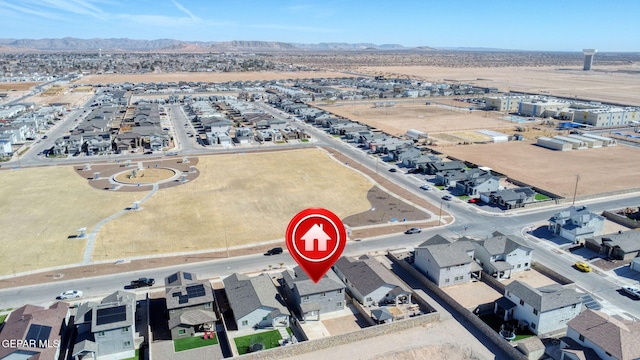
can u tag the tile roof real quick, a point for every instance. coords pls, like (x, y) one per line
(611, 335)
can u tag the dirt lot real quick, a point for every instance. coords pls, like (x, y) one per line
(617, 84)
(18, 86)
(416, 115)
(234, 194)
(556, 171)
(208, 77)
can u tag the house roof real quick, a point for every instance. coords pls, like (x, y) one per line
(503, 244)
(574, 212)
(184, 290)
(306, 286)
(381, 314)
(193, 317)
(117, 310)
(450, 254)
(247, 294)
(628, 241)
(544, 298)
(613, 336)
(366, 274)
(435, 240)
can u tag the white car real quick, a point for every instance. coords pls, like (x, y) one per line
(633, 291)
(425, 187)
(70, 294)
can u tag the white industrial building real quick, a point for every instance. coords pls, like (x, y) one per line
(605, 140)
(543, 108)
(416, 134)
(553, 144)
(505, 103)
(575, 143)
(495, 136)
(591, 143)
(607, 116)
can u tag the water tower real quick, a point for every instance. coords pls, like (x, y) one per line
(588, 58)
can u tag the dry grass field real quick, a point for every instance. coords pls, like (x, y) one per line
(618, 84)
(242, 198)
(416, 115)
(17, 86)
(601, 170)
(41, 208)
(71, 98)
(207, 77)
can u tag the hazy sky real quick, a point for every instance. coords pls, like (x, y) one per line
(558, 25)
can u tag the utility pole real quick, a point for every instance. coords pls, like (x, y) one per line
(226, 240)
(575, 191)
(440, 214)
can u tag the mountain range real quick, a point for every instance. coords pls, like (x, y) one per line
(170, 45)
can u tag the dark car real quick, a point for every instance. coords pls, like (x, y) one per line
(141, 282)
(413, 231)
(393, 170)
(446, 197)
(274, 251)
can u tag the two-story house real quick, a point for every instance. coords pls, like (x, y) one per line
(511, 198)
(370, 283)
(447, 263)
(313, 299)
(543, 310)
(608, 337)
(477, 182)
(106, 330)
(34, 332)
(502, 255)
(576, 223)
(255, 302)
(189, 303)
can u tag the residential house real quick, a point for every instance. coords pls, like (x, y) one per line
(510, 198)
(623, 245)
(255, 302)
(502, 255)
(34, 332)
(189, 303)
(369, 282)
(609, 337)
(243, 135)
(442, 166)
(542, 310)
(478, 182)
(314, 299)
(422, 162)
(106, 330)
(447, 263)
(5, 147)
(576, 223)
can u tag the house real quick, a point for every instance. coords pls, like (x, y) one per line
(447, 263)
(501, 255)
(543, 310)
(189, 303)
(511, 198)
(478, 182)
(255, 302)
(314, 299)
(106, 330)
(607, 336)
(576, 223)
(623, 245)
(635, 264)
(442, 166)
(371, 283)
(35, 332)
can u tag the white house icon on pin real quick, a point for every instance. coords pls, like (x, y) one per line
(315, 232)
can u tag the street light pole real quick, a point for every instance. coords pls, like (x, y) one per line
(575, 191)
(440, 214)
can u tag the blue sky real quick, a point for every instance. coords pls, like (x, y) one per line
(559, 25)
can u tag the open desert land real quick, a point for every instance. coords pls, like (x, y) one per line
(42, 208)
(17, 86)
(601, 170)
(239, 198)
(616, 84)
(74, 99)
(415, 114)
(208, 76)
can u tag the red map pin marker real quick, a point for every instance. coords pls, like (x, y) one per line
(315, 239)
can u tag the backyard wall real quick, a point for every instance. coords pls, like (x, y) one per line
(622, 220)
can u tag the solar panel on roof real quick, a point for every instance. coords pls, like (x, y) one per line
(177, 293)
(111, 315)
(39, 334)
(183, 299)
(173, 278)
(194, 291)
(188, 276)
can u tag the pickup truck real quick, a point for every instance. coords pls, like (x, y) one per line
(142, 282)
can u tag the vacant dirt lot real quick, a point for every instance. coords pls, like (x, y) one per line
(42, 208)
(556, 171)
(207, 77)
(416, 115)
(18, 86)
(239, 198)
(618, 84)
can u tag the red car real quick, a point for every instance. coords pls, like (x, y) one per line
(474, 200)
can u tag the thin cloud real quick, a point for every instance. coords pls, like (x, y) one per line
(185, 10)
(156, 20)
(25, 10)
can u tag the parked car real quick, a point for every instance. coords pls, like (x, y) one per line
(274, 251)
(425, 187)
(70, 294)
(142, 282)
(447, 197)
(474, 200)
(632, 291)
(413, 231)
(583, 266)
